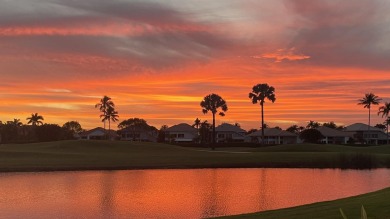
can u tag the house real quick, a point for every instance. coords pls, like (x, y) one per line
(367, 134)
(273, 136)
(333, 136)
(229, 133)
(138, 134)
(98, 134)
(182, 132)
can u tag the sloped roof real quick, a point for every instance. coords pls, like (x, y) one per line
(360, 127)
(225, 127)
(86, 133)
(182, 127)
(329, 132)
(272, 132)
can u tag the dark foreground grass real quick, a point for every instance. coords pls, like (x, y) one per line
(106, 155)
(377, 205)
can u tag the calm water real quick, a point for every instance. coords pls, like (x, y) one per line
(176, 193)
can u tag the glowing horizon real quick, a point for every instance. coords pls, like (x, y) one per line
(157, 60)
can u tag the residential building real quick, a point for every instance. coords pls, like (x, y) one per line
(334, 136)
(363, 133)
(98, 134)
(182, 132)
(229, 133)
(145, 134)
(273, 136)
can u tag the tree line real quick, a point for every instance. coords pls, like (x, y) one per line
(213, 103)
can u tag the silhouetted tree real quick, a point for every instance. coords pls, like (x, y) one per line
(71, 128)
(251, 131)
(49, 132)
(368, 100)
(161, 133)
(104, 104)
(35, 119)
(212, 103)
(311, 135)
(204, 132)
(110, 115)
(380, 126)
(15, 122)
(312, 125)
(293, 129)
(277, 127)
(385, 111)
(330, 124)
(259, 94)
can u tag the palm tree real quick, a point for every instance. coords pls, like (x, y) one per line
(35, 119)
(110, 115)
(213, 102)
(259, 93)
(16, 123)
(103, 105)
(368, 100)
(385, 110)
(196, 125)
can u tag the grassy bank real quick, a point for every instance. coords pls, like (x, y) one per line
(376, 204)
(91, 155)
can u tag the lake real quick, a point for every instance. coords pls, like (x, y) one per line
(189, 193)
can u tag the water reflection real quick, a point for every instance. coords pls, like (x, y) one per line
(176, 193)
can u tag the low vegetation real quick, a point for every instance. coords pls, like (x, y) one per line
(376, 204)
(91, 155)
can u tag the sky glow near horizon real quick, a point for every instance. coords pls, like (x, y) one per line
(158, 59)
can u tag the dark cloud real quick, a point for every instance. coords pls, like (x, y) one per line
(167, 37)
(341, 33)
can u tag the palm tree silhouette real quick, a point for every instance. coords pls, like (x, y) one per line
(196, 125)
(385, 110)
(212, 103)
(110, 115)
(16, 123)
(35, 119)
(103, 105)
(259, 93)
(368, 100)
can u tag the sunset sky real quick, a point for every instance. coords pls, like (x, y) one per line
(157, 59)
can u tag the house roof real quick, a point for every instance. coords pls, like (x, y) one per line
(226, 127)
(360, 127)
(182, 127)
(329, 132)
(272, 132)
(86, 133)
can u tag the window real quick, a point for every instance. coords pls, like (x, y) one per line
(180, 135)
(221, 135)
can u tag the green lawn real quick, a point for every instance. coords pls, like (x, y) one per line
(84, 155)
(377, 205)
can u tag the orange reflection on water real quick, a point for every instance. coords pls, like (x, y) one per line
(195, 193)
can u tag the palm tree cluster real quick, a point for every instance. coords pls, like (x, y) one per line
(107, 108)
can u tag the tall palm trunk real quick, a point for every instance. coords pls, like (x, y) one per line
(369, 122)
(109, 130)
(387, 129)
(213, 146)
(262, 124)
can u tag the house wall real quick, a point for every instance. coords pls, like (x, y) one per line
(180, 136)
(229, 136)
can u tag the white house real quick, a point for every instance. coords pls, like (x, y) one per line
(273, 136)
(229, 133)
(182, 132)
(98, 134)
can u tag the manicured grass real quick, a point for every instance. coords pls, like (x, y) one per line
(90, 155)
(377, 205)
